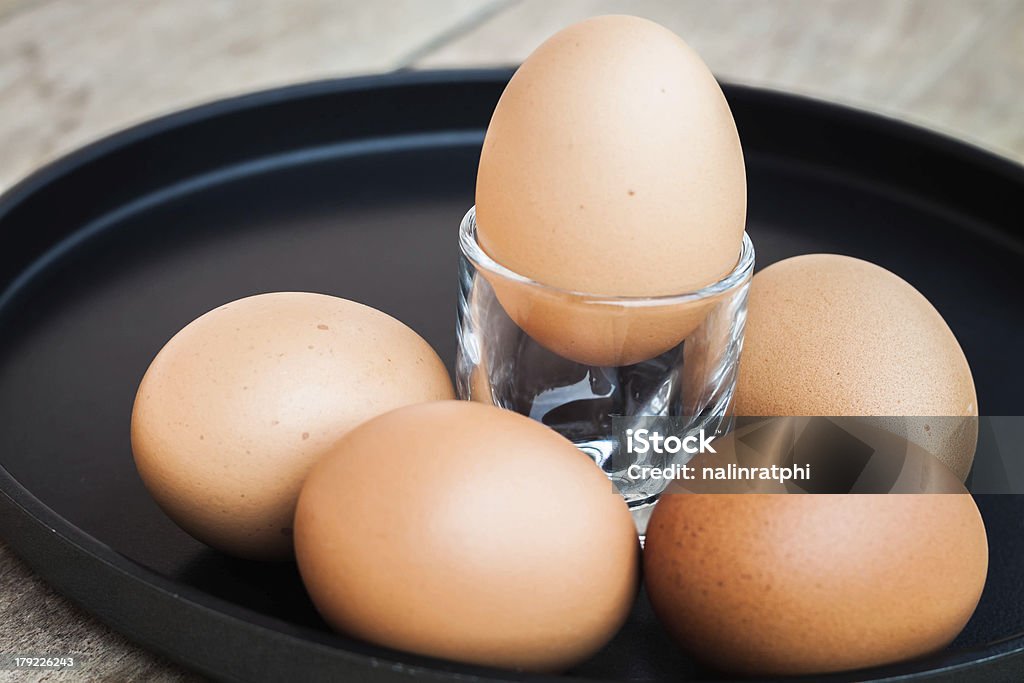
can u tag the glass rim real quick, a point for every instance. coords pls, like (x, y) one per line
(471, 249)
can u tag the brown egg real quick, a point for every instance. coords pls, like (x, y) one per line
(773, 585)
(237, 407)
(463, 531)
(612, 167)
(836, 336)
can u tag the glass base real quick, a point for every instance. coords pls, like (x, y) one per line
(592, 367)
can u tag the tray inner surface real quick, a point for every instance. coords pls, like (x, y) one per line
(378, 224)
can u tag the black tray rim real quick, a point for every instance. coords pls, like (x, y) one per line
(37, 533)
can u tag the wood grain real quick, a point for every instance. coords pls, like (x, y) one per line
(954, 66)
(74, 70)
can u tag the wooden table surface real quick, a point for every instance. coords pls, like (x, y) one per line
(72, 71)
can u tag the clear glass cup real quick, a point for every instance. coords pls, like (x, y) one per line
(575, 361)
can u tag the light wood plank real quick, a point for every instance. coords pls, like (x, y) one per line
(981, 94)
(73, 70)
(881, 55)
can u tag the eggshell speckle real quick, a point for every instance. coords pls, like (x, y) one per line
(768, 584)
(237, 407)
(837, 336)
(463, 531)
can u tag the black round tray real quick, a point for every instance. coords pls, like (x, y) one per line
(356, 188)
